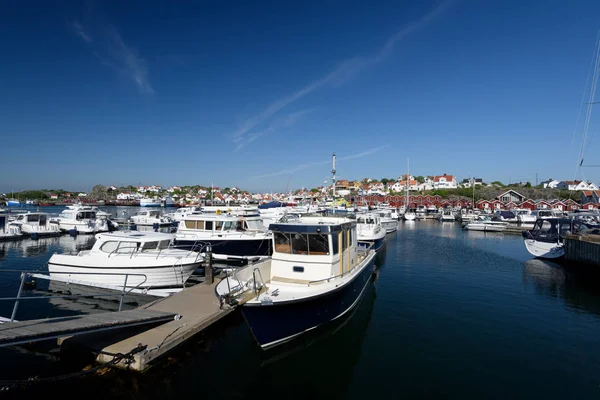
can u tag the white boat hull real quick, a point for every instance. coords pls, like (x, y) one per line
(485, 227)
(150, 271)
(544, 249)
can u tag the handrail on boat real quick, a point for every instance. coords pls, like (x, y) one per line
(365, 252)
(25, 273)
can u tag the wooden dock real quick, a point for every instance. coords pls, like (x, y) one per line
(196, 307)
(14, 333)
(584, 249)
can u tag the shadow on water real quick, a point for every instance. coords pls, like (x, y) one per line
(578, 286)
(226, 362)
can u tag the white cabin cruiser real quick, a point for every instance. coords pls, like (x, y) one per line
(316, 275)
(546, 238)
(505, 216)
(524, 215)
(485, 224)
(230, 236)
(369, 231)
(36, 224)
(386, 220)
(8, 231)
(151, 218)
(183, 212)
(446, 215)
(80, 219)
(132, 259)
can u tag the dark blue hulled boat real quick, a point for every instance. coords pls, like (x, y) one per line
(315, 275)
(230, 236)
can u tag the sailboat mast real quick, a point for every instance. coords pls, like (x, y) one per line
(333, 173)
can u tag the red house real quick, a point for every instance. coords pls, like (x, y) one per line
(483, 204)
(589, 206)
(541, 204)
(497, 205)
(529, 204)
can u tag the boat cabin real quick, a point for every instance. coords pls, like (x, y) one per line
(368, 219)
(554, 230)
(149, 213)
(313, 249)
(128, 243)
(221, 223)
(78, 214)
(33, 218)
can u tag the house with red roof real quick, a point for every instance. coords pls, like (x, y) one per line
(444, 182)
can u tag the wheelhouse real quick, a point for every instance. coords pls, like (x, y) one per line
(554, 230)
(313, 249)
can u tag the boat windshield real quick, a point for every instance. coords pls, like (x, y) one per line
(301, 243)
(255, 225)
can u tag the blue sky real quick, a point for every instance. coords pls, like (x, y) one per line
(260, 94)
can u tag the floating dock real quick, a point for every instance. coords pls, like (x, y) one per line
(196, 308)
(583, 249)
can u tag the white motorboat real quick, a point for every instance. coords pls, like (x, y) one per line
(230, 236)
(387, 222)
(546, 238)
(409, 215)
(36, 224)
(544, 213)
(131, 259)
(80, 219)
(485, 224)
(183, 212)
(8, 231)
(316, 275)
(524, 215)
(393, 212)
(446, 215)
(150, 202)
(151, 218)
(370, 231)
(505, 216)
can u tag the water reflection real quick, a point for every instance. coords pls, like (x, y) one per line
(579, 289)
(478, 235)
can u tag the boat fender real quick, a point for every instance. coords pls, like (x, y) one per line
(218, 212)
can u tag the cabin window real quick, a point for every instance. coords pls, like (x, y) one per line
(335, 243)
(301, 243)
(208, 225)
(109, 247)
(128, 247)
(164, 244)
(350, 237)
(148, 246)
(33, 218)
(190, 224)
(254, 225)
(298, 269)
(218, 225)
(344, 240)
(229, 226)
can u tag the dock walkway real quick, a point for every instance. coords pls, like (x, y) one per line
(197, 308)
(14, 333)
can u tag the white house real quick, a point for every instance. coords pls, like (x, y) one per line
(174, 189)
(444, 182)
(470, 182)
(427, 185)
(577, 185)
(396, 187)
(550, 183)
(82, 195)
(153, 188)
(124, 196)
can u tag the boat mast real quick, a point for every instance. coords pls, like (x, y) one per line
(333, 177)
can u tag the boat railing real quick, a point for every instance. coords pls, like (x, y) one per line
(362, 253)
(24, 274)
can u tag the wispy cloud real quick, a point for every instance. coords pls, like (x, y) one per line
(79, 31)
(341, 74)
(313, 164)
(107, 44)
(277, 125)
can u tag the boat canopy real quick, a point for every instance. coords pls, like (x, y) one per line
(552, 230)
(272, 204)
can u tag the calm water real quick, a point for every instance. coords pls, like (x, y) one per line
(452, 314)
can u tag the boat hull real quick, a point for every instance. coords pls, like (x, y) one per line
(375, 244)
(485, 227)
(230, 247)
(169, 274)
(544, 249)
(278, 323)
(11, 203)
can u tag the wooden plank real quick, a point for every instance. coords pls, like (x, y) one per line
(12, 333)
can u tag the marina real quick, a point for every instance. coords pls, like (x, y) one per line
(495, 267)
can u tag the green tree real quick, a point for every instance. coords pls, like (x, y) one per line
(498, 183)
(420, 179)
(384, 181)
